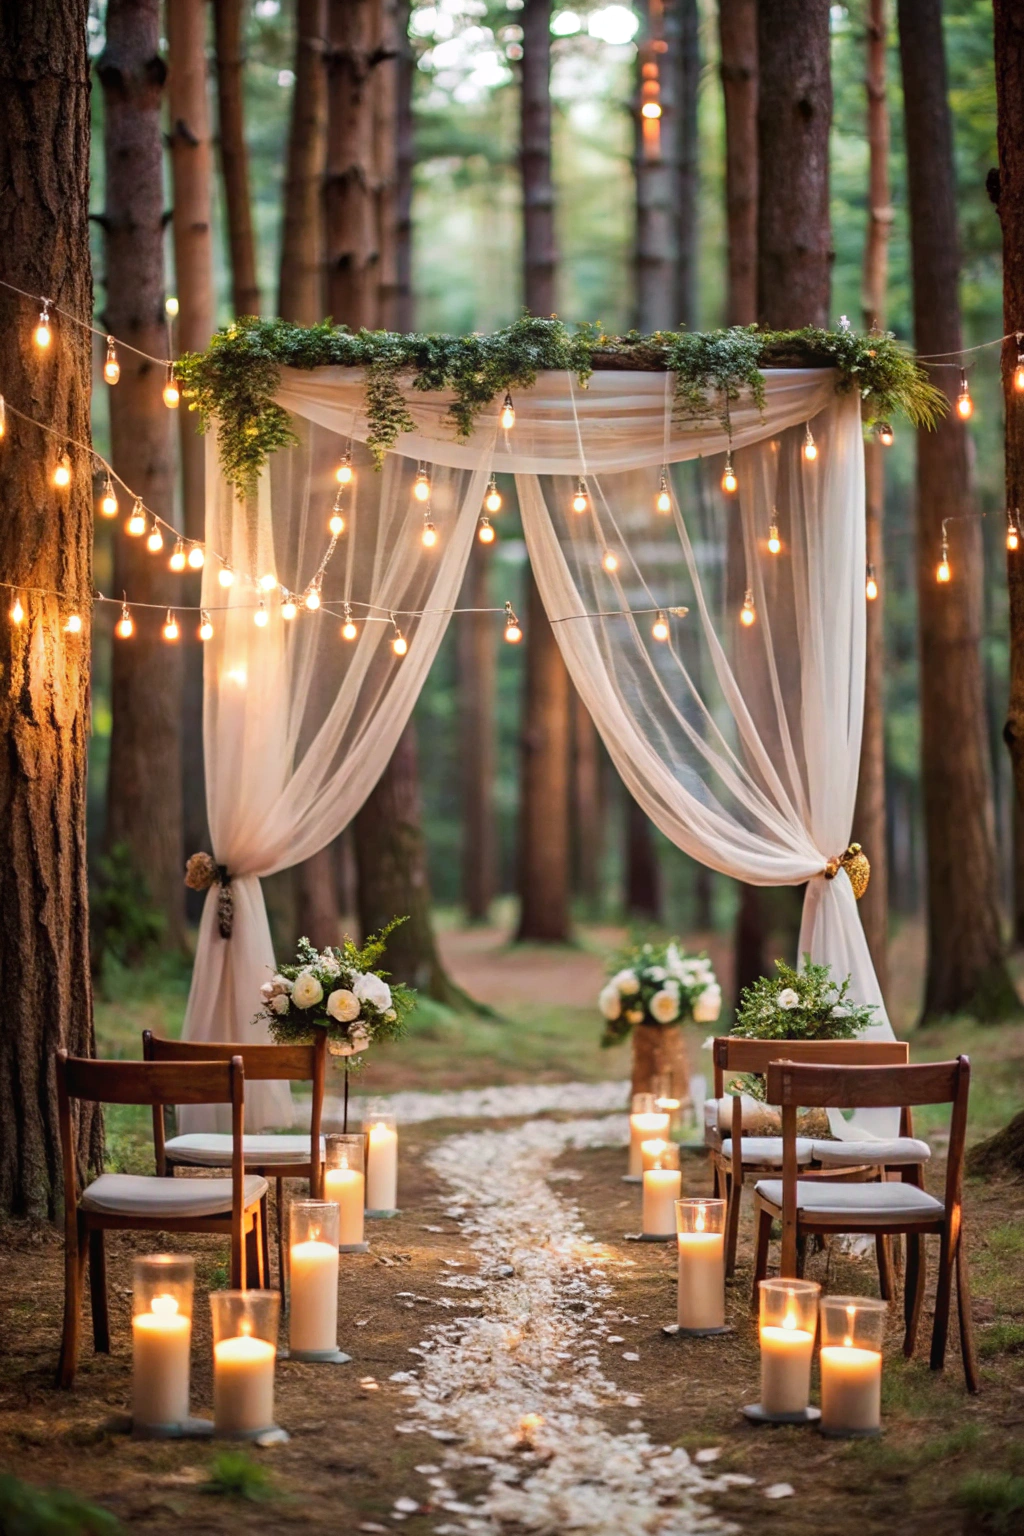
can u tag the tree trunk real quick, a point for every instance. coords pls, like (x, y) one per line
(794, 112)
(539, 249)
(317, 911)
(352, 238)
(544, 785)
(228, 16)
(299, 287)
(659, 1050)
(385, 153)
(737, 36)
(477, 677)
(688, 165)
(869, 818)
(189, 141)
(966, 970)
(44, 694)
(643, 883)
(1007, 190)
(588, 818)
(144, 811)
(658, 219)
(405, 156)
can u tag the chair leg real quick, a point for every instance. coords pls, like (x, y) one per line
(238, 1266)
(802, 1240)
(732, 1230)
(884, 1259)
(966, 1320)
(764, 1236)
(98, 1292)
(265, 1237)
(913, 1290)
(281, 1266)
(254, 1248)
(74, 1284)
(943, 1296)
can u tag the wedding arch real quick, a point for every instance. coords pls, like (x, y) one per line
(695, 521)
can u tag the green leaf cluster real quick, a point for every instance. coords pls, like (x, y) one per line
(822, 1009)
(29, 1511)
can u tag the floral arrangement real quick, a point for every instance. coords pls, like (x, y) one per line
(800, 1005)
(339, 989)
(658, 984)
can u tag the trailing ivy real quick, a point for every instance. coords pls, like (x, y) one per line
(233, 382)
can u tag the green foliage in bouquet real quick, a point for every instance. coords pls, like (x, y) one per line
(800, 1005)
(340, 989)
(657, 984)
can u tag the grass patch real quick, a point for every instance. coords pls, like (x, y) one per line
(1001, 1339)
(29, 1511)
(996, 1499)
(235, 1475)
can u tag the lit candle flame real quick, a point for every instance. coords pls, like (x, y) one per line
(698, 1225)
(164, 1306)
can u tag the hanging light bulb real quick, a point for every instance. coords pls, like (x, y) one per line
(261, 617)
(108, 501)
(663, 500)
(226, 576)
(42, 335)
(17, 611)
(508, 413)
(659, 629)
(581, 500)
(313, 599)
(289, 608)
(492, 501)
(513, 631)
(267, 582)
(429, 534)
(774, 542)
(810, 446)
(3, 417)
(205, 626)
(171, 307)
(1018, 372)
(485, 532)
(177, 560)
(136, 524)
(399, 644)
(111, 366)
(74, 624)
(944, 571)
(729, 480)
(348, 629)
(170, 626)
(62, 473)
(1012, 534)
(155, 542)
(124, 628)
(885, 434)
(172, 394)
(336, 522)
(870, 585)
(610, 561)
(421, 485)
(345, 474)
(964, 403)
(748, 613)
(196, 557)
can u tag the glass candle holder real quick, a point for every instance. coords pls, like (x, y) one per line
(700, 1233)
(646, 1123)
(313, 1267)
(852, 1330)
(667, 1097)
(662, 1188)
(789, 1321)
(345, 1184)
(659, 1153)
(244, 1354)
(381, 1159)
(162, 1287)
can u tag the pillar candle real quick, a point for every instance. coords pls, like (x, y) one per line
(382, 1169)
(785, 1369)
(243, 1385)
(701, 1280)
(313, 1321)
(661, 1191)
(346, 1187)
(161, 1344)
(645, 1127)
(851, 1388)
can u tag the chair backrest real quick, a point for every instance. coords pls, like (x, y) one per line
(733, 1053)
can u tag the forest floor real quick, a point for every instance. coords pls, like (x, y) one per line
(946, 1463)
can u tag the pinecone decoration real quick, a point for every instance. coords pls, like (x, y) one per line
(858, 868)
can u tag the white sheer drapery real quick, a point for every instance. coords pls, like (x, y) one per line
(741, 742)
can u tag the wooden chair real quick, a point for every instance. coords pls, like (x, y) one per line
(277, 1157)
(143, 1202)
(734, 1157)
(885, 1209)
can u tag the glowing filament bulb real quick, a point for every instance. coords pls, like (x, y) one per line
(336, 522)
(111, 366)
(261, 617)
(226, 576)
(108, 501)
(155, 542)
(345, 474)
(313, 599)
(205, 627)
(177, 560)
(171, 307)
(429, 535)
(871, 585)
(486, 532)
(268, 582)
(1012, 534)
(3, 416)
(73, 625)
(196, 557)
(1018, 374)
(136, 524)
(748, 613)
(399, 644)
(508, 414)
(17, 612)
(62, 474)
(886, 435)
(170, 627)
(774, 542)
(610, 561)
(581, 500)
(289, 608)
(729, 481)
(651, 109)
(810, 446)
(124, 628)
(659, 629)
(943, 571)
(513, 632)
(492, 501)
(964, 403)
(42, 335)
(663, 501)
(348, 629)
(421, 485)
(172, 394)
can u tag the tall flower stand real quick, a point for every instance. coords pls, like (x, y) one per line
(659, 1050)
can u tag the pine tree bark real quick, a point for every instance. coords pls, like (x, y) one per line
(46, 543)
(794, 113)
(659, 221)
(385, 152)
(587, 806)
(966, 971)
(144, 811)
(539, 248)
(300, 280)
(228, 16)
(643, 882)
(351, 232)
(189, 140)
(477, 681)
(405, 158)
(737, 38)
(688, 165)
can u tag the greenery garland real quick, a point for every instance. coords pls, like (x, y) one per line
(233, 382)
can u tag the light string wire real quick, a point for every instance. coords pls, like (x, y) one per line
(86, 325)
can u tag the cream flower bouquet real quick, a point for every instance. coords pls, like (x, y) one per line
(339, 989)
(658, 984)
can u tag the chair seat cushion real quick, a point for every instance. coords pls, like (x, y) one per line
(859, 1202)
(213, 1150)
(768, 1150)
(130, 1194)
(844, 1154)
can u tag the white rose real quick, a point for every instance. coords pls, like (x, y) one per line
(307, 991)
(627, 982)
(610, 1002)
(664, 1006)
(840, 1011)
(788, 998)
(370, 989)
(280, 1002)
(343, 1005)
(708, 1005)
(656, 973)
(672, 957)
(268, 990)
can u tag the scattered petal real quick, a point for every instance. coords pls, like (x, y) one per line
(711, 1454)
(779, 1491)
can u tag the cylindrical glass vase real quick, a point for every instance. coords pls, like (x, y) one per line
(345, 1184)
(852, 1330)
(646, 1123)
(313, 1268)
(161, 1342)
(244, 1354)
(789, 1321)
(381, 1159)
(700, 1233)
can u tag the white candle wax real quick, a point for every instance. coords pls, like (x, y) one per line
(701, 1280)
(346, 1187)
(382, 1169)
(785, 1369)
(313, 1320)
(645, 1127)
(243, 1385)
(661, 1191)
(851, 1388)
(161, 1345)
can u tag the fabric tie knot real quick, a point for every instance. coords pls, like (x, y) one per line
(857, 865)
(202, 871)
